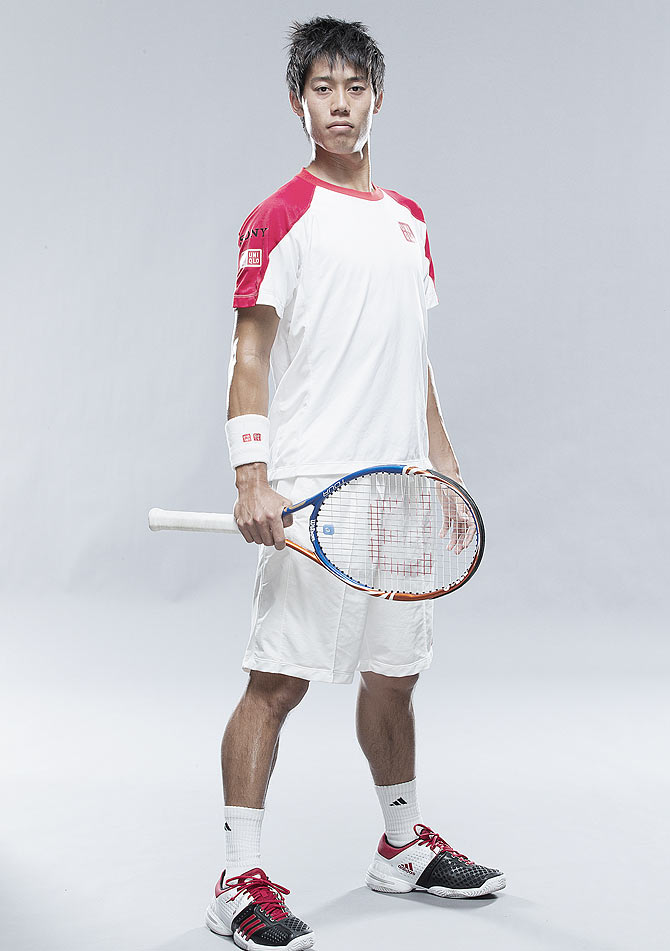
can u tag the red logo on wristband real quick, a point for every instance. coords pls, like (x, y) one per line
(246, 437)
(257, 437)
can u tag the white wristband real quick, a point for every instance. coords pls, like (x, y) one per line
(248, 439)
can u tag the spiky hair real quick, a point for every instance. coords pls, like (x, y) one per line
(334, 40)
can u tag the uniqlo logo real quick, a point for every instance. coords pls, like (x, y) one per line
(251, 257)
(407, 231)
(257, 437)
(246, 437)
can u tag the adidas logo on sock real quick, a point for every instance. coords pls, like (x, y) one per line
(407, 867)
(399, 802)
(227, 828)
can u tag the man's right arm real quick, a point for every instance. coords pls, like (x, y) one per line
(258, 508)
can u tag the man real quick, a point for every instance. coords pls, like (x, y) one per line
(334, 283)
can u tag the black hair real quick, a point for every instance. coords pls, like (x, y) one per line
(332, 39)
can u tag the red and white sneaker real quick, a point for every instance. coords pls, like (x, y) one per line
(251, 908)
(429, 864)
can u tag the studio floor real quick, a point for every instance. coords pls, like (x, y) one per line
(112, 802)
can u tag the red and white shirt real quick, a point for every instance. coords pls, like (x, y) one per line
(351, 278)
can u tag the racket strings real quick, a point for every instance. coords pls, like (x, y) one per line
(393, 532)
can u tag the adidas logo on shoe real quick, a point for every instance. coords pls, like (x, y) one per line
(399, 802)
(407, 867)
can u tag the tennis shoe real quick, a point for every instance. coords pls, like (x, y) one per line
(429, 864)
(252, 909)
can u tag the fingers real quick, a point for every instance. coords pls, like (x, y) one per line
(470, 533)
(282, 521)
(243, 524)
(264, 529)
(457, 536)
(246, 534)
(261, 522)
(279, 540)
(463, 527)
(287, 520)
(466, 533)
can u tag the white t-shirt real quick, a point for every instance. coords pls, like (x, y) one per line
(351, 278)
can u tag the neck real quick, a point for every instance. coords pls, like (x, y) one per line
(348, 171)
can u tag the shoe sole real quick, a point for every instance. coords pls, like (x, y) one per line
(215, 924)
(395, 886)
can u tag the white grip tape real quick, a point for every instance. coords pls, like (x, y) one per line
(248, 439)
(192, 521)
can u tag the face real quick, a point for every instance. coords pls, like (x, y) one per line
(338, 105)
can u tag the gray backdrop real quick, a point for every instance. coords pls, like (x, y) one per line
(137, 136)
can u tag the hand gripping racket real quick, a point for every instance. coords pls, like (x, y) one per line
(396, 532)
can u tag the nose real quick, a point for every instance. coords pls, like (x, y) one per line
(339, 103)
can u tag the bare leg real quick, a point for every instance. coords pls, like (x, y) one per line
(385, 726)
(251, 739)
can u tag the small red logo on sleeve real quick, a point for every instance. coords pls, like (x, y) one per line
(257, 437)
(251, 257)
(246, 437)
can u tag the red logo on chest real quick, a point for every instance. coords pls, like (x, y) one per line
(407, 231)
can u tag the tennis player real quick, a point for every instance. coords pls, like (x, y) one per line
(334, 283)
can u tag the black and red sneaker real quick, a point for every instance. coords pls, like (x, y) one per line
(429, 864)
(251, 908)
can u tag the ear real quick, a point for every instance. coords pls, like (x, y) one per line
(296, 104)
(378, 103)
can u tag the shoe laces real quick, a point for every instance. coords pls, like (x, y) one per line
(267, 894)
(437, 843)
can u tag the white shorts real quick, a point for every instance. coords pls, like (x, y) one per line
(306, 623)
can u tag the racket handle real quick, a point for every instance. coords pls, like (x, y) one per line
(191, 521)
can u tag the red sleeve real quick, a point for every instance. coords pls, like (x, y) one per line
(269, 255)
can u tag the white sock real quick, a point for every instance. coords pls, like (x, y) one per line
(242, 826)
(401, 811)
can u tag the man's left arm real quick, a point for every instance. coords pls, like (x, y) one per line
(440, 451)
(458, 525)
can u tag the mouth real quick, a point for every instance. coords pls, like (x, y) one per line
(340, 125)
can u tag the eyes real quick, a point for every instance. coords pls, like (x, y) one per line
(353, 88)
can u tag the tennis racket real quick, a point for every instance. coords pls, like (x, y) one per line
(396, 532)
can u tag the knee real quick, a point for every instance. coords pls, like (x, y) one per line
(278, 692)
(381, 685)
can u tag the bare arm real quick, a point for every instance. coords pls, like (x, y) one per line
(440, 451)
(258, 508)
(458, 525)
